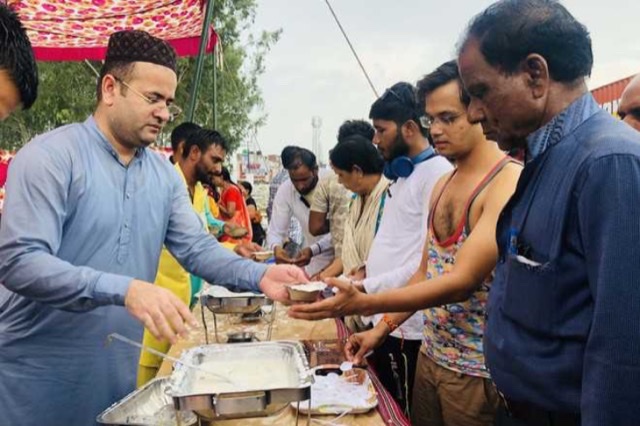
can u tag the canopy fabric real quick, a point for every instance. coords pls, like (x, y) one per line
(5, 159)
(75, 30)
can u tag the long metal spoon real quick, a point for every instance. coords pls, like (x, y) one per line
(126, 340)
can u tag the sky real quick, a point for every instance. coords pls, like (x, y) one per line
(312, 72)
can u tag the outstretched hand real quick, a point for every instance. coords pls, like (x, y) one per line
(275, 281)
(358, 273)
(246, 249)
(359, 345)
(281, 256)
(347, 301)
(304, 257)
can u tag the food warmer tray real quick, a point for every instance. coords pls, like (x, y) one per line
(251, 365)
(219, 300)
(147, 406)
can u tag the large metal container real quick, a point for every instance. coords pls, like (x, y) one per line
(264, 378)
(148, 406)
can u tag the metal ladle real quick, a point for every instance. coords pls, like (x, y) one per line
(128, 341)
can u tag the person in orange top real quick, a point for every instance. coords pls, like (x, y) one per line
(232, 207)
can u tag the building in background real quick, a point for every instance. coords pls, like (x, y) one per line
(253, 166)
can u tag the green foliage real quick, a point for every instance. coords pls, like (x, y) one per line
(66, 94)
(67, 89)
(239, 100)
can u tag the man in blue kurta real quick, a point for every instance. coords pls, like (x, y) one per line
(88, 209)
(562, 330)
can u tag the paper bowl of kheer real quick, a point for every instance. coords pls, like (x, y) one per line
(307, 292)
(262, 256)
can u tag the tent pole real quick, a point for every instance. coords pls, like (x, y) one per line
(200, 61)
(215, 87)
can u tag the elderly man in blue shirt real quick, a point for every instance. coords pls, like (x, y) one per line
(87, 211)
(562, 330)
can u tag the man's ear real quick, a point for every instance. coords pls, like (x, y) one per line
(194, 153)
(108, 88)
(536, 71)
(409, 129)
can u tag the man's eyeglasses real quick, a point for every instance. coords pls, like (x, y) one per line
(445, 120)
(174, 110)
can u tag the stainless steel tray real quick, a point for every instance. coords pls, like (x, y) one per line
(266, 376)
(147, 406)
(222, 301)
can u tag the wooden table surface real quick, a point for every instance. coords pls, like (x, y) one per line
(284, 328)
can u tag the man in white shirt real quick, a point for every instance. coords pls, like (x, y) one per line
(294, 199)
(295, 232)
(413, 168)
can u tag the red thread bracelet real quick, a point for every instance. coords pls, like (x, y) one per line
(392, 325)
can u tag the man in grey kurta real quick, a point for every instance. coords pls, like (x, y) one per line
(81, 232)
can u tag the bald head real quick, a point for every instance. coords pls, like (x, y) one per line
(629, 109)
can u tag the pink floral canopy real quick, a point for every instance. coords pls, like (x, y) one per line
(74, 30)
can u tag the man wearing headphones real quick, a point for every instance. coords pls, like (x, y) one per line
(413, 168)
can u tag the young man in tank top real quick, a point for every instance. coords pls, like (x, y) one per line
(452, 384)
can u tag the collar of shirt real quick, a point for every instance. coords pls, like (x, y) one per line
(199, 192)
(306, 199)
(560, 126)
(181, 173)
(91, 124)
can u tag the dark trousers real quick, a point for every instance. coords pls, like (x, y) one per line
(396, 368)
(504, 419)
(535, 417)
